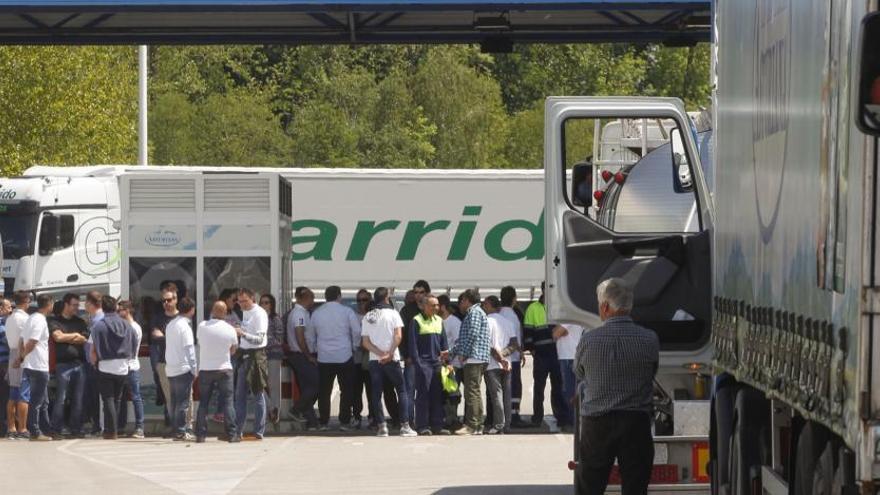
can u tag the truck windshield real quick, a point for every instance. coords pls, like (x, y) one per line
(18, 226)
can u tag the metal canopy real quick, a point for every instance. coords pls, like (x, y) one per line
(352, 22)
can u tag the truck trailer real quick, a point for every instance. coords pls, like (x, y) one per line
(770, 284)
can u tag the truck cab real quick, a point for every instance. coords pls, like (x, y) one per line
(60, 233)
(652, 226)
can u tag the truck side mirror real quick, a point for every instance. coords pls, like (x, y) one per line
(682, 180)
(50, 234)
(868, 115)
(582, 184)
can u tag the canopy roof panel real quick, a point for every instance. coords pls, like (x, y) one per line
(351, 22)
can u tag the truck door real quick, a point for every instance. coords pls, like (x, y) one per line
(649, 222)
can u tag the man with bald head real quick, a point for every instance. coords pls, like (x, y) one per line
(217, 342)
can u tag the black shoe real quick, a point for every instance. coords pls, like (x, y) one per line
(200, 439)
(519, 423)
(235, 438)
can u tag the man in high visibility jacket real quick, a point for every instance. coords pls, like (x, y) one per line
(538, 335)
(429, 351)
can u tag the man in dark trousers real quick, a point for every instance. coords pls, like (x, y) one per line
(114, 345)
(617, 363)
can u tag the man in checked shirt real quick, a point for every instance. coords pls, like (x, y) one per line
(616, 364)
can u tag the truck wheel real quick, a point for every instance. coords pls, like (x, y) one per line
(747, 440)
(720, 428)
(810, 460)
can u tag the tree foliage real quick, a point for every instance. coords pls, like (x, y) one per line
(379, 106)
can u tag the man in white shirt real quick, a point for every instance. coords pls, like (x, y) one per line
(503, 343)
(517, 359)
(19, 393)
(338, 334)
(382, 330)
(34, 360)
(180, 366)
(452, 327)
(114, 344)
(125, 311)
(567, 337)
(217, 341)
(303, 357)
(253, 365)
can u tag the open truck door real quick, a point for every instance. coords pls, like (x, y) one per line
(649, 222)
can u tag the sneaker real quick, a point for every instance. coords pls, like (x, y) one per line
(138, 433)
(235, 438)
(356, 423)
(442, 432)
(312, 428)
(297, 417)
(184, 437)
(468, 431)
(495, 431)
(425, 432)
(344, 428)
(519, 423)
(57, 436)
(41, 438)
(12, 435)
(383, 430)
(200, 439)
(323, 428)
(23, 435)
(258, 436)
(406, 431)
(274, 416)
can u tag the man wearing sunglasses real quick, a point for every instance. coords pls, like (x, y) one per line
(157, 342)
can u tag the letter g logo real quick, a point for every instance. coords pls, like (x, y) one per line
(96, 246)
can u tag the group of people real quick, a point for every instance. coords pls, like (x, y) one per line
(403, 360)
(400, 359)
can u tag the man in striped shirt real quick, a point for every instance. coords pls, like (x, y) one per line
(617, 363)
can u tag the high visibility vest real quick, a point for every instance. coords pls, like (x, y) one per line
(428, 327)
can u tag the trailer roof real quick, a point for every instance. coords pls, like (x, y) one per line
(352, 21)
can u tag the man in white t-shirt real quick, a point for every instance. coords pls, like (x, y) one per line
(381, 334)
(517, 359)
(567, 337)
(217, 341)
(180, 366)
(503, 343)
(34, 360)
(253, 364)
(19, 393)
(303, 357)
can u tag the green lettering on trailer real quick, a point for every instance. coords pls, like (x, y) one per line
(495, 237)
(412, 237)
(464, 234)
(323, 241)
(363, 236)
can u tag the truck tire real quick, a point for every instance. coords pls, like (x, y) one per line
(811, 446)
(748, 440)
(720, 427)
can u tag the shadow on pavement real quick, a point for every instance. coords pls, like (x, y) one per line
(507, 490)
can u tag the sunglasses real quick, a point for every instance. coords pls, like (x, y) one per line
(168, 300)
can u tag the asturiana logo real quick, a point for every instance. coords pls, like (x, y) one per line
(163, 238)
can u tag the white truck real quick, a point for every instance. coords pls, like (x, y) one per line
(353, 228)
(763, 269)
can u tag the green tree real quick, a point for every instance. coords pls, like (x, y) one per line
(466, 108)
(235, 128)
(680, 72)
(67, 106)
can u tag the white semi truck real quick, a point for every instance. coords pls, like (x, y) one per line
(353, 228)
(765, 268)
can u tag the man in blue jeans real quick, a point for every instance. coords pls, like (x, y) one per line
(381, 334)
(567, 337)
(125, 311)
(35, 362)
(70, 333)
(180, 367)
(217, 341)
(302, 358)
(253, 365)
